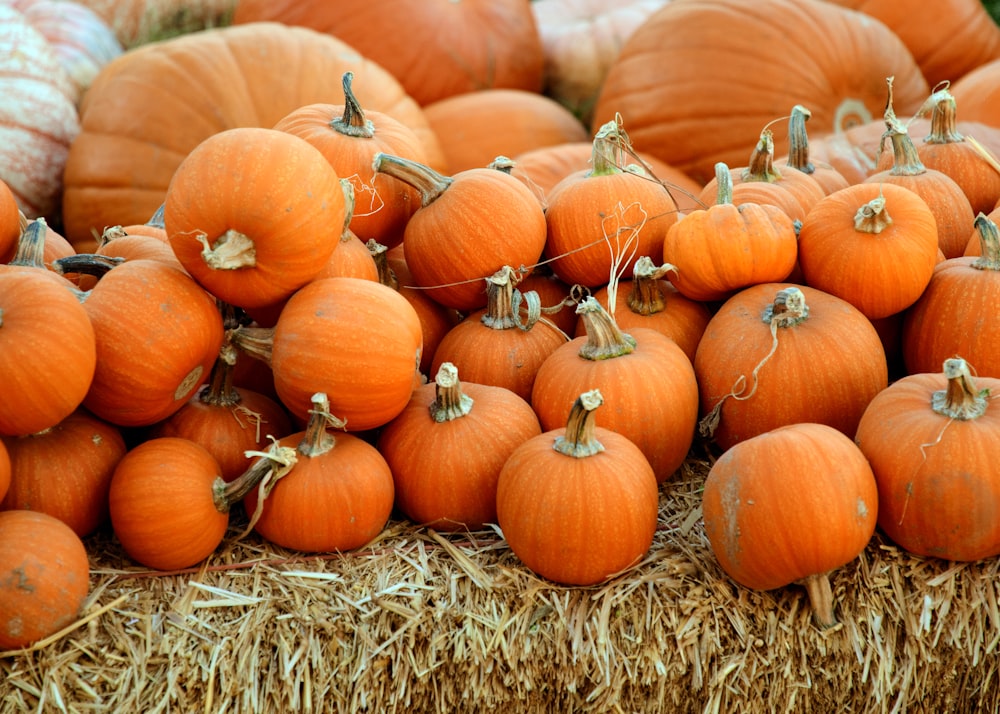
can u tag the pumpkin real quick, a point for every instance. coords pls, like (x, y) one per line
(44, 577)
(580, 40)
(157, 334)
(957, 312)
(726, 79)
(355, 340)
(791, 190)
(776, 354)
(4, 470)
(148, 109)
(436, 50)
(228, 421)
(137, 22)
(723, 248)
(602, 219)
(650, 300)
(65, 471)
(82, 40)
(799, 157)
(948, 42)
(127, 244)
(476, 127)
(789, 506)
(468, 226)
(976, 92)
(267, 236)
(10, 223)
(48, 351)
(647, 374)
(170, 507)
(349, 137)
(872, 244)
(38, 118)
(947, 200)
(930, 439)
(337, 496)
(503, 344)
(578, 504)
(446, 449)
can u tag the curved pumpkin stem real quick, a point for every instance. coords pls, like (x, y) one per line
(579, 440)
(429, 182)
(272, 465)
(989, 242)
(906, 161)
(605, 339)
(353, 122)
(317, 440)
(820, 599)
(724, 184)
(798, 140)
(30, 250)
(450, 402)
(258, 342)
(646, 296)
(960, 399)
(761, 165)
(503, 302)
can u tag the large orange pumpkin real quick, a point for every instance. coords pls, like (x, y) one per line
(700, 78)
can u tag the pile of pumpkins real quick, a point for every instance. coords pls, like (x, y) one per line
(304, 266)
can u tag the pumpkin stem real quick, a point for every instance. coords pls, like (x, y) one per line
(503, 302)
(960, 399)
(272, 465)
(503, 163)
(761, 165)
(579, 440)
(609, 144)
(872, 217)
(426, 180)
(944, 122)
(989, 242)
(724, 184)
(349, 202)
(258, 342)
(798, 140)
(317, 440)
(386, 275)
(788, 309)
(450, 402)
(30, 250)
(86, 264)
(604, 338)
(230, 251)
(219, 391)
(353, 122)
(820, 599)
(646, 296)
(906, 161)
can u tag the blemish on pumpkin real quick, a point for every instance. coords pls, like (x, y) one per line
(21, 581)
(192, 380)
(862, 509)
(97, 439)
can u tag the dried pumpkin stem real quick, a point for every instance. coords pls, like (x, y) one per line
(86, 264)
(761, 165)
(944, 126)
(960, 399)
(989, 242)
(426, 180)
(353, 121)
(579, 440)
(317, 440)
(277, 458)
(258, 342)
(220, 391)
(646, 296)
(605, 339)
(503, 302)
(30, 250)
(450, 402)
(798, 140)
(230, 251)
(872, 217)
(820, 599)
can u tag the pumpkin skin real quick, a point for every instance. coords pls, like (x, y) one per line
(931, 440)
(66, 471)
(439, 49)
(137, 22)
(469, 226)
(349, 137)
(355, 340)
(10, 223)
(729, 46)
(647, 373)
(48, 350)
(157, 333)
(4, 470)
(874, 245)
(270, 234)
(44, 577)
(574, 512)
(956, 314)
(823, 368)
(446, 449)
(476, 127)
(38, 119)
(789, 505)
(337, 496)
(153, 105)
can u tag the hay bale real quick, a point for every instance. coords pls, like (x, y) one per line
(424, 622)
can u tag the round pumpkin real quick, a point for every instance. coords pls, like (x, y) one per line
(578, 504)
(789, 506)
(44, 577)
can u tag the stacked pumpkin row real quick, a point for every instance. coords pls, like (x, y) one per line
(344, 348)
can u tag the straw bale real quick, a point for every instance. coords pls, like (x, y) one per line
(420, 621)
